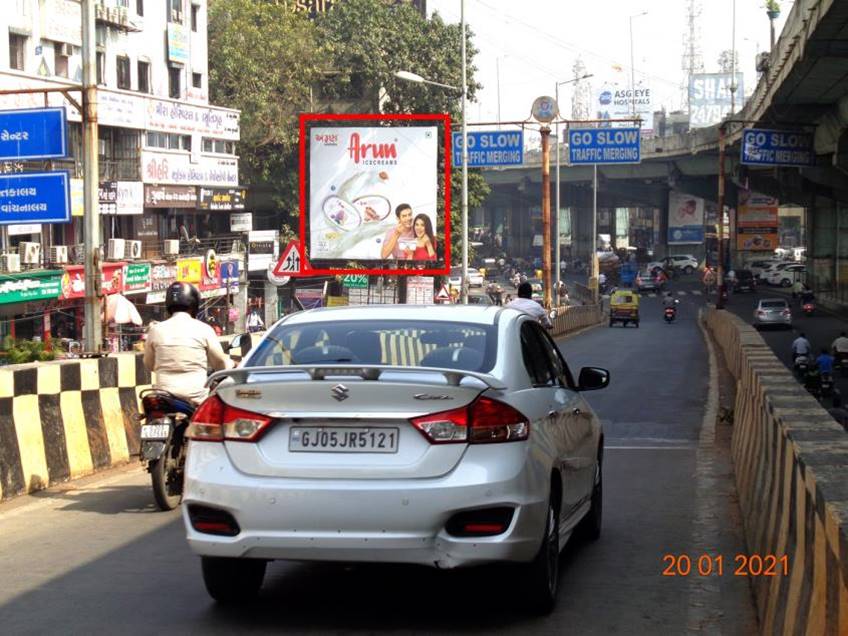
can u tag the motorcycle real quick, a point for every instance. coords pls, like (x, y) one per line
(165, 418)
(801, 365)
(670, 312)
(813, 381)
(808, 308)
(826, 385)
(840, 361)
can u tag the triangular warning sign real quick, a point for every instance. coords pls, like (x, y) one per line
(443, 294)
(291, 262)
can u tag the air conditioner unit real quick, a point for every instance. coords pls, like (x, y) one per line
(10, 263)
(30, 253)
(58, 254)
(134, 250)
(65, 49)
(115, 249)
(172, 247)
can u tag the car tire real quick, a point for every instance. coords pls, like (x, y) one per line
(541, 576)
(637, 324)
(688, 270)
(785, 283)
(590, 525)
(232, 580)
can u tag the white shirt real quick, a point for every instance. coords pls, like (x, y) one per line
(801, 346)
(840, 344)
(532, 308)
(178, 351)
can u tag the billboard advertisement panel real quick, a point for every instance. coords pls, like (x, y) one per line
(373, 193)
(757, 222)
(613, 101)
(685, 219)
(710, 97)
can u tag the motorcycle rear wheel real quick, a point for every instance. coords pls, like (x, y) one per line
(162, 493)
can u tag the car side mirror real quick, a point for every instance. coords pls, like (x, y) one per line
(243, 342)
(553, 314)
(592, 379)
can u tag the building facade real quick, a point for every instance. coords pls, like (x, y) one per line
(168, 162)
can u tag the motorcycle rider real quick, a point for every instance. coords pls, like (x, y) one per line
(525, 303)
(180, 349)
(801, 347)
(840, 345)
(825, 362)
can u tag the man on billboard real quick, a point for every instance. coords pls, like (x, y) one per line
(401, 237)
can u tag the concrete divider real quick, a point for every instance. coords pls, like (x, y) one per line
(791, 464)
(65, 419)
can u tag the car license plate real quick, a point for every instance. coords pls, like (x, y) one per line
(155, 431)
(343, 439)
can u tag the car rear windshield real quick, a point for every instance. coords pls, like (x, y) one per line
(773, 304)
(404, 343)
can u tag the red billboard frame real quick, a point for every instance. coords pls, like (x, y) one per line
(306, 268)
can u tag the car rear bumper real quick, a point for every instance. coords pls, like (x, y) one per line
(762, 322)
(367, 520)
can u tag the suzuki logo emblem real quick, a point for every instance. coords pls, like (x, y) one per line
(340, 392)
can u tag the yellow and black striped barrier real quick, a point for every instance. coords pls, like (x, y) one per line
(791, 461)
(65, 419)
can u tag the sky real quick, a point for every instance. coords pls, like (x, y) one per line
(534, 44)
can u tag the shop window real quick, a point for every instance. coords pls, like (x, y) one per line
(174, 82)
(122, 65)
(195, 15)
(101, 67)
(197, 80)
(143, 77)
(17, 48)
(219, 146)
(175, 11)
(139, 7)
(60, 59)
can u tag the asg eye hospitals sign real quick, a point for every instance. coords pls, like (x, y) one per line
(37, 133)
(762, 147)
(35, 197)
(604, 145)
(490, 148)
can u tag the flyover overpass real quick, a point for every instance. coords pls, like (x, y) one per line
(804, 87)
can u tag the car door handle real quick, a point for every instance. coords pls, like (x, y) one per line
(576, 411)
(552, 413)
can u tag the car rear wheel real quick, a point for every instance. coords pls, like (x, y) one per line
(688, 270)
(785, 282)
(542, 575)
(232, 580)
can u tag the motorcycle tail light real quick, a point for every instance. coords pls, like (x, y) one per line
(215, 421)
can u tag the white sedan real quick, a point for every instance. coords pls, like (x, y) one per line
(475, 278)
(440, 436)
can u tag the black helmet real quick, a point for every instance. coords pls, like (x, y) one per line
(182, 297)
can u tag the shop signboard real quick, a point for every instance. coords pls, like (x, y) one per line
(161, 276)
(19, 288)
(164, 196)
(179, 117)
(310, 298)
(77, 197)
(33, 133)
(190, 270)
(757, 222)
(262, 249)
(229, 274)
(241, 222)
(685, 219)
(221, 198)
(178, 169)
(420, 290)
(357, 178)
(35, 197)
(355, 281)
(210, 272)
(137, 278)
(177, 43)
(73, 280)
(130, 197)
(107, 193)
(61, 21)
(24, 230)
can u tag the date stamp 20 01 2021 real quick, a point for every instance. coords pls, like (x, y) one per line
(710, 565)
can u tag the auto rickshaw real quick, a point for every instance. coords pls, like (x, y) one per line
(624, 307)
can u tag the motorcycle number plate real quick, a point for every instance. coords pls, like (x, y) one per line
(155, 431)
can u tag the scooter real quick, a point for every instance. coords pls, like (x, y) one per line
(813, 381)
(826, 385)
(670, 312)
(801, 365)
(808, 308)
(164, 420)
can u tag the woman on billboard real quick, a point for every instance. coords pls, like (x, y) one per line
(425, 240)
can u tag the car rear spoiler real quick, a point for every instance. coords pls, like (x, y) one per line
(366, 372)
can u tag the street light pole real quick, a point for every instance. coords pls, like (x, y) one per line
(465, 232)
(93, 332)
(633, 64)
(720, 272)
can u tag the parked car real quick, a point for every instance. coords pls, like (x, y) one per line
(773, 268)
(685, 263)
(475, 278)
(445, 424)
(646, 281)
(758, 266)
(773, 311)
(745, 281)
(787, 276)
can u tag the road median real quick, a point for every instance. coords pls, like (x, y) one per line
(790, 460)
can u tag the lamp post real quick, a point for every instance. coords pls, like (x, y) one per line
(556, 198)
(632, 63)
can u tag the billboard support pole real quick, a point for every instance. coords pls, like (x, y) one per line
(91, 221)
(465, 232)
(546, 212)
(720, 274)
(594, 253)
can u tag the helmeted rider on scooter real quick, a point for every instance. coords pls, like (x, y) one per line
(180, 349)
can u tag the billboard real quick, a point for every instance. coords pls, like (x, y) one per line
(685, 219)
(612, 101)
(757, 222)
(710, 97)
(373, 193)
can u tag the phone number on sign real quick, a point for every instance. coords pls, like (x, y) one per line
(709, 565)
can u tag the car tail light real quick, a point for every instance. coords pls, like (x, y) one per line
(484, 421)
(786, 312)
(215, 421)
(760, 312)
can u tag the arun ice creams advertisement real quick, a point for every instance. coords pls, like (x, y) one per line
(373, 193)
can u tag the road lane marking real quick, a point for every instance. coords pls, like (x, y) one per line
(687, 448)
(695, 292)
(681, 293)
